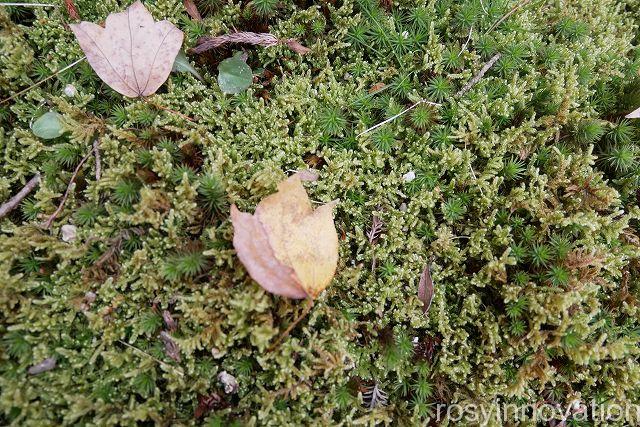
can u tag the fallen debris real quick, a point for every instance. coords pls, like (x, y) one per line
(13, 202)
(471, 83)
(259, 39)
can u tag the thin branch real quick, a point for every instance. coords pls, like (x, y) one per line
(471, 83)
(507, 15)
(12, 203)
(169, 110)
(29, 4)
(247, 37)
(96, 153)
(166, 365)
(73, 64)
(392, 118)
(54, 215)
(293, 324)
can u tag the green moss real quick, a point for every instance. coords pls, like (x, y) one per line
(524, 205)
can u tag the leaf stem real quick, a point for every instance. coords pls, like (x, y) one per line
(293, 324)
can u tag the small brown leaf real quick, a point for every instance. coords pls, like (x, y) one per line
(425, 289)
(71, 9)
(192, 10)
(206, 404)
(133, 54)
(295, 46)
(170, 347)
(286, 246)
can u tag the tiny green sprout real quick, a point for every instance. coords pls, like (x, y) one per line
(622, 132)
(119, 115)
(67, 155)
(589, 131)
(144, 383)
(453, 210)
(30, 209)
(621, 158)
(16, 344)
(184, 265)
(388, 269)
(519, 252)
(422, 388)
(212, 195)
(517, 327)
(423, 116)
(126, 192)
(263, 7)
(571, 340)
(439, 88)
(149, 322)
(558, 276)
(561, 246)
(541, 254)
(513, 169)
(452, 58)
(177, 174)
(331, 121)
(516, 308)
(384, 139)
(401, 86)
(88, 214)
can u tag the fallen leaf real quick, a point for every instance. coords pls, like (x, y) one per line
(48, 126)
(132, 53)
(234, 75)
(71, 9)
(425, 289)
(635, 114)
(286, 246)
(308, 175)
(182, 65)
(206, 404)
(295, 46)
(192, 10)
(170, 347)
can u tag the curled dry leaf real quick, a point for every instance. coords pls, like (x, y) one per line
(425, 289)
(132, 53)
(228, 381)
(192, 10)
(286, 246)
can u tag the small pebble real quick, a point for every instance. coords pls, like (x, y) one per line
(44, 366)
(409, 176)
(229, 381)
(70, 90)
(68, 233)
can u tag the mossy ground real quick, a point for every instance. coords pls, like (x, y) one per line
(525, 205)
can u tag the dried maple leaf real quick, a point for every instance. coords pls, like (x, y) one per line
(286, 246)
(635, 114)
(132, 53)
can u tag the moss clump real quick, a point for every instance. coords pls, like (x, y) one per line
(520, 194)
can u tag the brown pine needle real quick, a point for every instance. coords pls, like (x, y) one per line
(507, 15)
(12, 203)
(15, 95)
(293, 324)
(48, 222)
(96, 153)
(166, 365)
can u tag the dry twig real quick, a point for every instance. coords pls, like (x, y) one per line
(247, 37)
(392, 118)
(48, 222)
(471, 83)
(15, 95)
(508, 14)
(293, 324)
(96, 153)
(13, 202)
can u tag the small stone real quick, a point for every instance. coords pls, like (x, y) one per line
(229, 381)
(90, 297)
(217, 354)
(68, 233)
(44, 366)
(70, 90)
(403, 207)
(409, 176)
